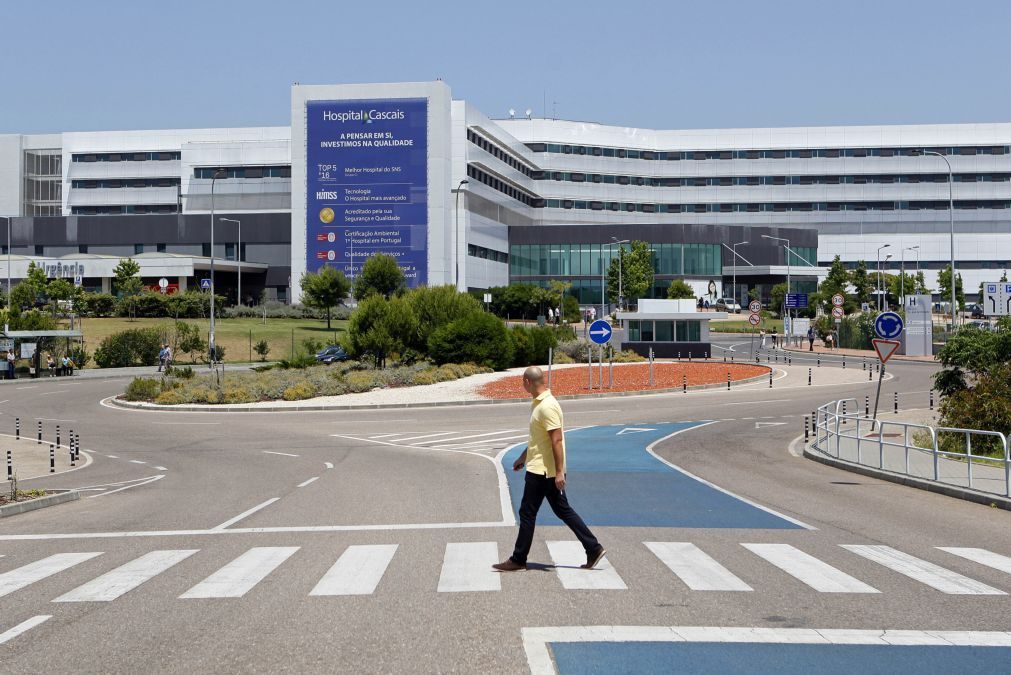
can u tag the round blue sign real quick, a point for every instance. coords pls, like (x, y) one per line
(888, 325)
(600, 332)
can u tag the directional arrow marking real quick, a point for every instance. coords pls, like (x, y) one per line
(759, 425)
(633, 430)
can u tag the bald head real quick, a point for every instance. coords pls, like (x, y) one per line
(534, 375)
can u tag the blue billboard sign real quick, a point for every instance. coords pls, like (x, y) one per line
(367, 184)
(796, 300)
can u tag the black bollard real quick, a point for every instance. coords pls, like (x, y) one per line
(52, 458)
(72, 457)
(728, 380)
(40, 434)
(789, 359)
(684, 383)
(770, 379)
(931, 399)
(867, 406)
(844, 362)
(807, 432)
(57, 435)
(17, 428)
(818, 360)
(77, 445)
(10, 466)
(870, 374)
(809, 377)
(896, 403)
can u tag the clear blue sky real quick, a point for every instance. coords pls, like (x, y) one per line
(70, 66)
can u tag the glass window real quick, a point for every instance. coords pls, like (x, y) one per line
(585, 264)
(664, 331)
(138, 248)
(688, 331)
(647, 331)
(563, 259)
(633, 331)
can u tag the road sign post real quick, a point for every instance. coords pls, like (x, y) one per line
(997, 298)
(755, 307)
(885, 349)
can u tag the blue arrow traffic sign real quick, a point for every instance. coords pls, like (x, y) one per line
(888, 325)
(600, 332)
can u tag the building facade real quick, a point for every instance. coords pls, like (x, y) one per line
(520, 199)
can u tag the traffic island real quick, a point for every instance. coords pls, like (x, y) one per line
(31, 500)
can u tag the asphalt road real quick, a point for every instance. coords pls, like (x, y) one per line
(360, 541)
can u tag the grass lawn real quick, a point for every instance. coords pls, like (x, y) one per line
(235, 335)
(738, 323)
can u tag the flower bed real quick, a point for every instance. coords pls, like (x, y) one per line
(574, 380)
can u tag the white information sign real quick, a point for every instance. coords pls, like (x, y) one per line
(997, 298)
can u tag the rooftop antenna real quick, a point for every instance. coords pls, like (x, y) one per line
(529, 113)
(512, 113)
(554, 110)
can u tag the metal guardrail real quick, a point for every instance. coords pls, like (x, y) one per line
(941, 454)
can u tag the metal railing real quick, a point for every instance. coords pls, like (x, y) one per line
(940, 454)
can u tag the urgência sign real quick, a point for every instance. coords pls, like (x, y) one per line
(60, 271)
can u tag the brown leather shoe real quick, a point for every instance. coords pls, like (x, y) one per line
(593, 558)
(508, 566)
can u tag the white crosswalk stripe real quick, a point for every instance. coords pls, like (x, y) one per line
(819, 575)
(127, 577)
(40, 569)
(357, 572)
(925, 572)
(237, 577)
(467, 567)
(696, 569)
(568, 556)
(982, 556)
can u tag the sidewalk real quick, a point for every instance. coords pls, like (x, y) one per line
(819, 348)
(113, 373)
(31, 460)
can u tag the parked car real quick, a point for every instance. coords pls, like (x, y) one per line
(727, 305)
(977, 311)
(332, 355)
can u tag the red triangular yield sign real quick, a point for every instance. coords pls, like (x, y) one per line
(885, 348)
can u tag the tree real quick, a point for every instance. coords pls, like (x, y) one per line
(863, 285)
(679, 289)
(837, 281)
(481, 339)
(636, 273)
(128, 281)
(379, 275)
(778, 298)
(30, 290)
(899, 283)
(436, 307)
(559, 289)
(379, 327)
(944, 287)
(921, 284)
(262, 348)
(325, 289)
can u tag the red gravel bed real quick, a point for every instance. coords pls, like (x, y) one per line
(574, 380)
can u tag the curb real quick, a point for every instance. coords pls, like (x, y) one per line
(139, 405)
(112, 375)
(955, 491)
(870, 356)
(55, 497)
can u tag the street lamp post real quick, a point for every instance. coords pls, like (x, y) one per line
(879, 271)
(456, 229)
(220, 173)
(733, 249)
(8, 263)
(621, 294)
(238, 256)
(785, 310)
(951, 223)
(902, 273)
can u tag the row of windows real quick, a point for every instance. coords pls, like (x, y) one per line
(124, 183)
(44, 163)
(281, 171)
(664, 331)
(807, 153)
(487, 253)
(503, 187)
(120, 209)
(126, 156)
(778, 207)
(725, 181)
(592, 259)
(498, 152)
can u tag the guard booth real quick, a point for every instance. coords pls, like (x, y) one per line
(672, 328)
(30, 348)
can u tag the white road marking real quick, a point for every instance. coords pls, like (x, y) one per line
(244, 514)
(695, 568)
(482, 442)
(160, 468)
(237, 577)
(536, 640)
(308, 482)
(649, 449)
(357, 572)
(112, 456)
(415, 438)
(137, 461)
(819, 575)
(328, 465)
(925, 572)
(23, 627)
(50, 393)
(981, 556)
(125, 578)
(467, 567)
(141, 481)
(49, 419)
(490, 433)
(283, 454)
(376, 436)
(769, 400)
(186, 423)
(569, 555)
(40, 569)
(21, 388)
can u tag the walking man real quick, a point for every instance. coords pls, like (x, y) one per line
(810, 339)
(545, 477)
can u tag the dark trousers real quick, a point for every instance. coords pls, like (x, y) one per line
(536, 489)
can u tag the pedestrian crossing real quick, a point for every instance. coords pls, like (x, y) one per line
(460, 440)
(361, 570)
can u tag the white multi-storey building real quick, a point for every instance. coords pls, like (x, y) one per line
(544, 198)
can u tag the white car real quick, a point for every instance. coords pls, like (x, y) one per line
(727, 305)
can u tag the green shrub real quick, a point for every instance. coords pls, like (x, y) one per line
(172, 397)
(523, 346)
(363, 380)
(142, 389)
(262, 348)
(80, 356)
(481, 339)
(97, 304)
(628, 356)
(298, 392)
(182, 372)
(134, 347)
(299, 361)
(234, 393)
(561, 358)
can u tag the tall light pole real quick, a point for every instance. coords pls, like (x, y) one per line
(220, 173)
(951, 223)
(733, 249)
(902, 273)
(8, 264)
(785, 310)
(621, 294)
(238, 255)
(879, 272)
(456, 230)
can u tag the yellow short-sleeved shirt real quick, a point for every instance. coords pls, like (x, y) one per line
(545, 416)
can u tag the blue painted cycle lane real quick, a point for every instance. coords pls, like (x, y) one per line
(615, 481)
